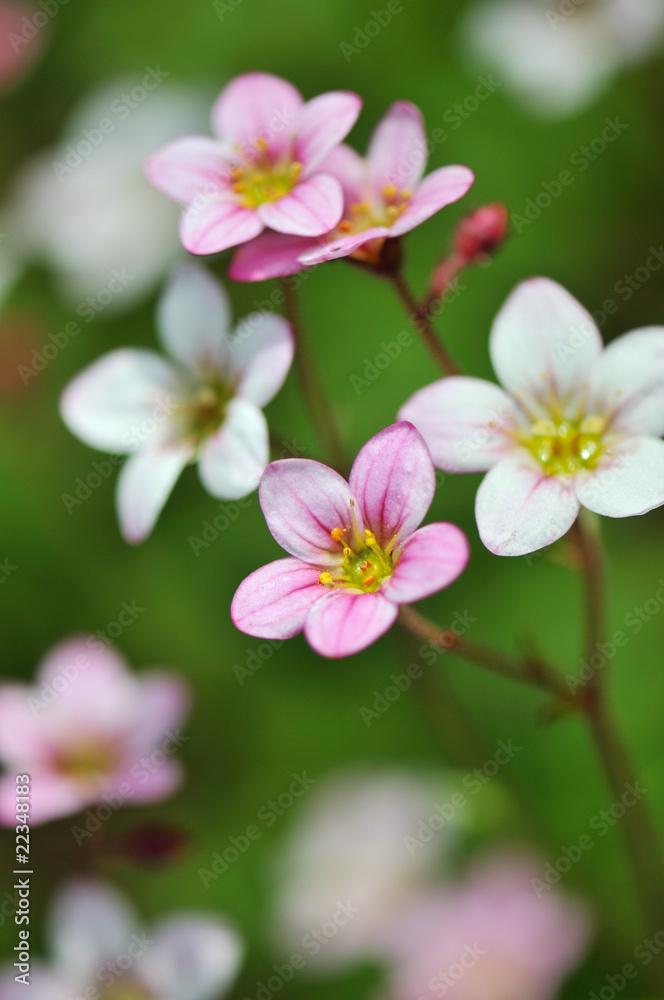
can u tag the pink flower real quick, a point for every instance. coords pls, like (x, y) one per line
(100, 950)
(202, 406)
(576, 426)
(83, 730)
(262, 169)
(356, 552)
(18, 50)
(493, 937)
(384, 196)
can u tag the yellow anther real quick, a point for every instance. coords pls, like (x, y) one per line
(544, 428)
(593, 425)
(389, 191)
(237, 172)
(337, 534)
(326, 579)
(347, 552)
(257, 178)
(370, 537)
(406, 194)
(295, 170)
(261, 143)
(392, 212)
(358, 207)
(239, 187)
(345, 226)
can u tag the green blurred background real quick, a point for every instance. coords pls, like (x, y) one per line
(299, 711)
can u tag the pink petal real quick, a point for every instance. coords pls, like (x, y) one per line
(261, 355)
(163, 704)
(397, 153)
(51, 797)
(520, 510)
(274, 601)
(216, 224)
(465, 422)
(627, 383)
(18, 49)
(431, 559)
(544, 342)
(441, 188)
(270, 255)
(193, 321)
(303, 501)
(322, 124)
(345, 622)
(232, 461)
(312, 208)
(190, 168)
(628, 480)
(149, 779)
(257, 106)
(192, 957)
(23, 740)
(350, 169)
(394, 481)
(144, 486)
(343, 246)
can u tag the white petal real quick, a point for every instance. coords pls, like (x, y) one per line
(630, 481)
(121, 400)
(544, 342)
(194, 317)
(464, 422)
(628, 383)
(234, 459)
(192, 958)
(261, 355)
(144, 485)
(89, 922)
(520, 510)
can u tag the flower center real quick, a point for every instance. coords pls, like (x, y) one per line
(364, 567)
(362, 215)
(85, 761)
(258, 180)
(124, 991)
(565, 447)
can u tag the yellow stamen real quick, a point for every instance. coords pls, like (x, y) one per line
(389, 191)
(326, 579)
(345, 226)
(261, 143)
(338, 534)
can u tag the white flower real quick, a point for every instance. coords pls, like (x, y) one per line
(558, 56)
(578, 426)
(203, 405)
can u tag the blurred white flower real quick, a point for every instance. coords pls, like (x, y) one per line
(351, 862)
(84, 207)
(100, 951)
(558, 55)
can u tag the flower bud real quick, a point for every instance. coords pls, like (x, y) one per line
(482, 232)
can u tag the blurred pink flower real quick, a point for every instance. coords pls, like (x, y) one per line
(84, 731)
(578, 426)
(21, 42)
(100, 950)
(384, 196)
(204, 405)
(263, 167)
(488, 938)
(356, 552)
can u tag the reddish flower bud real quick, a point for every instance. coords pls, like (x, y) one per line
(482, 232)
(154, 844)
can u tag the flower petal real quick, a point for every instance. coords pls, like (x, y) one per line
(233, 460)
(394, 481)
(144, 486)
(629, 481)
(215, 224)
(163, 704)
(51, 797)
(312, 208)
(344, 622)
(441, 188)
(273, 602)
(303, 501)
(350, 169)
(627, 383)
(544, 342)
(431, 559)
(193, 320)
(261, 355)
(145, 786)
(89, 921)
(397, 152)
(520, 510)
(192, 957)
(343, 246)
(464, 422)
(114, 404)
(257, 106)
(270, 255)
(322, 124)
(189, 168)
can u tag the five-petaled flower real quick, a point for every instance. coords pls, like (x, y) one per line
(577, 426)
(384, 196)
(87, 729)
(204, 406)
(356, 553)
(263, 169)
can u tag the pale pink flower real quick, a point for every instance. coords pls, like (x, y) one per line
(82, 730)
(356, 553)
(384, 196)
(204, 405)
(263, 167)
(21, 43)
(100, 950)
(576, 425)
(489, 938)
